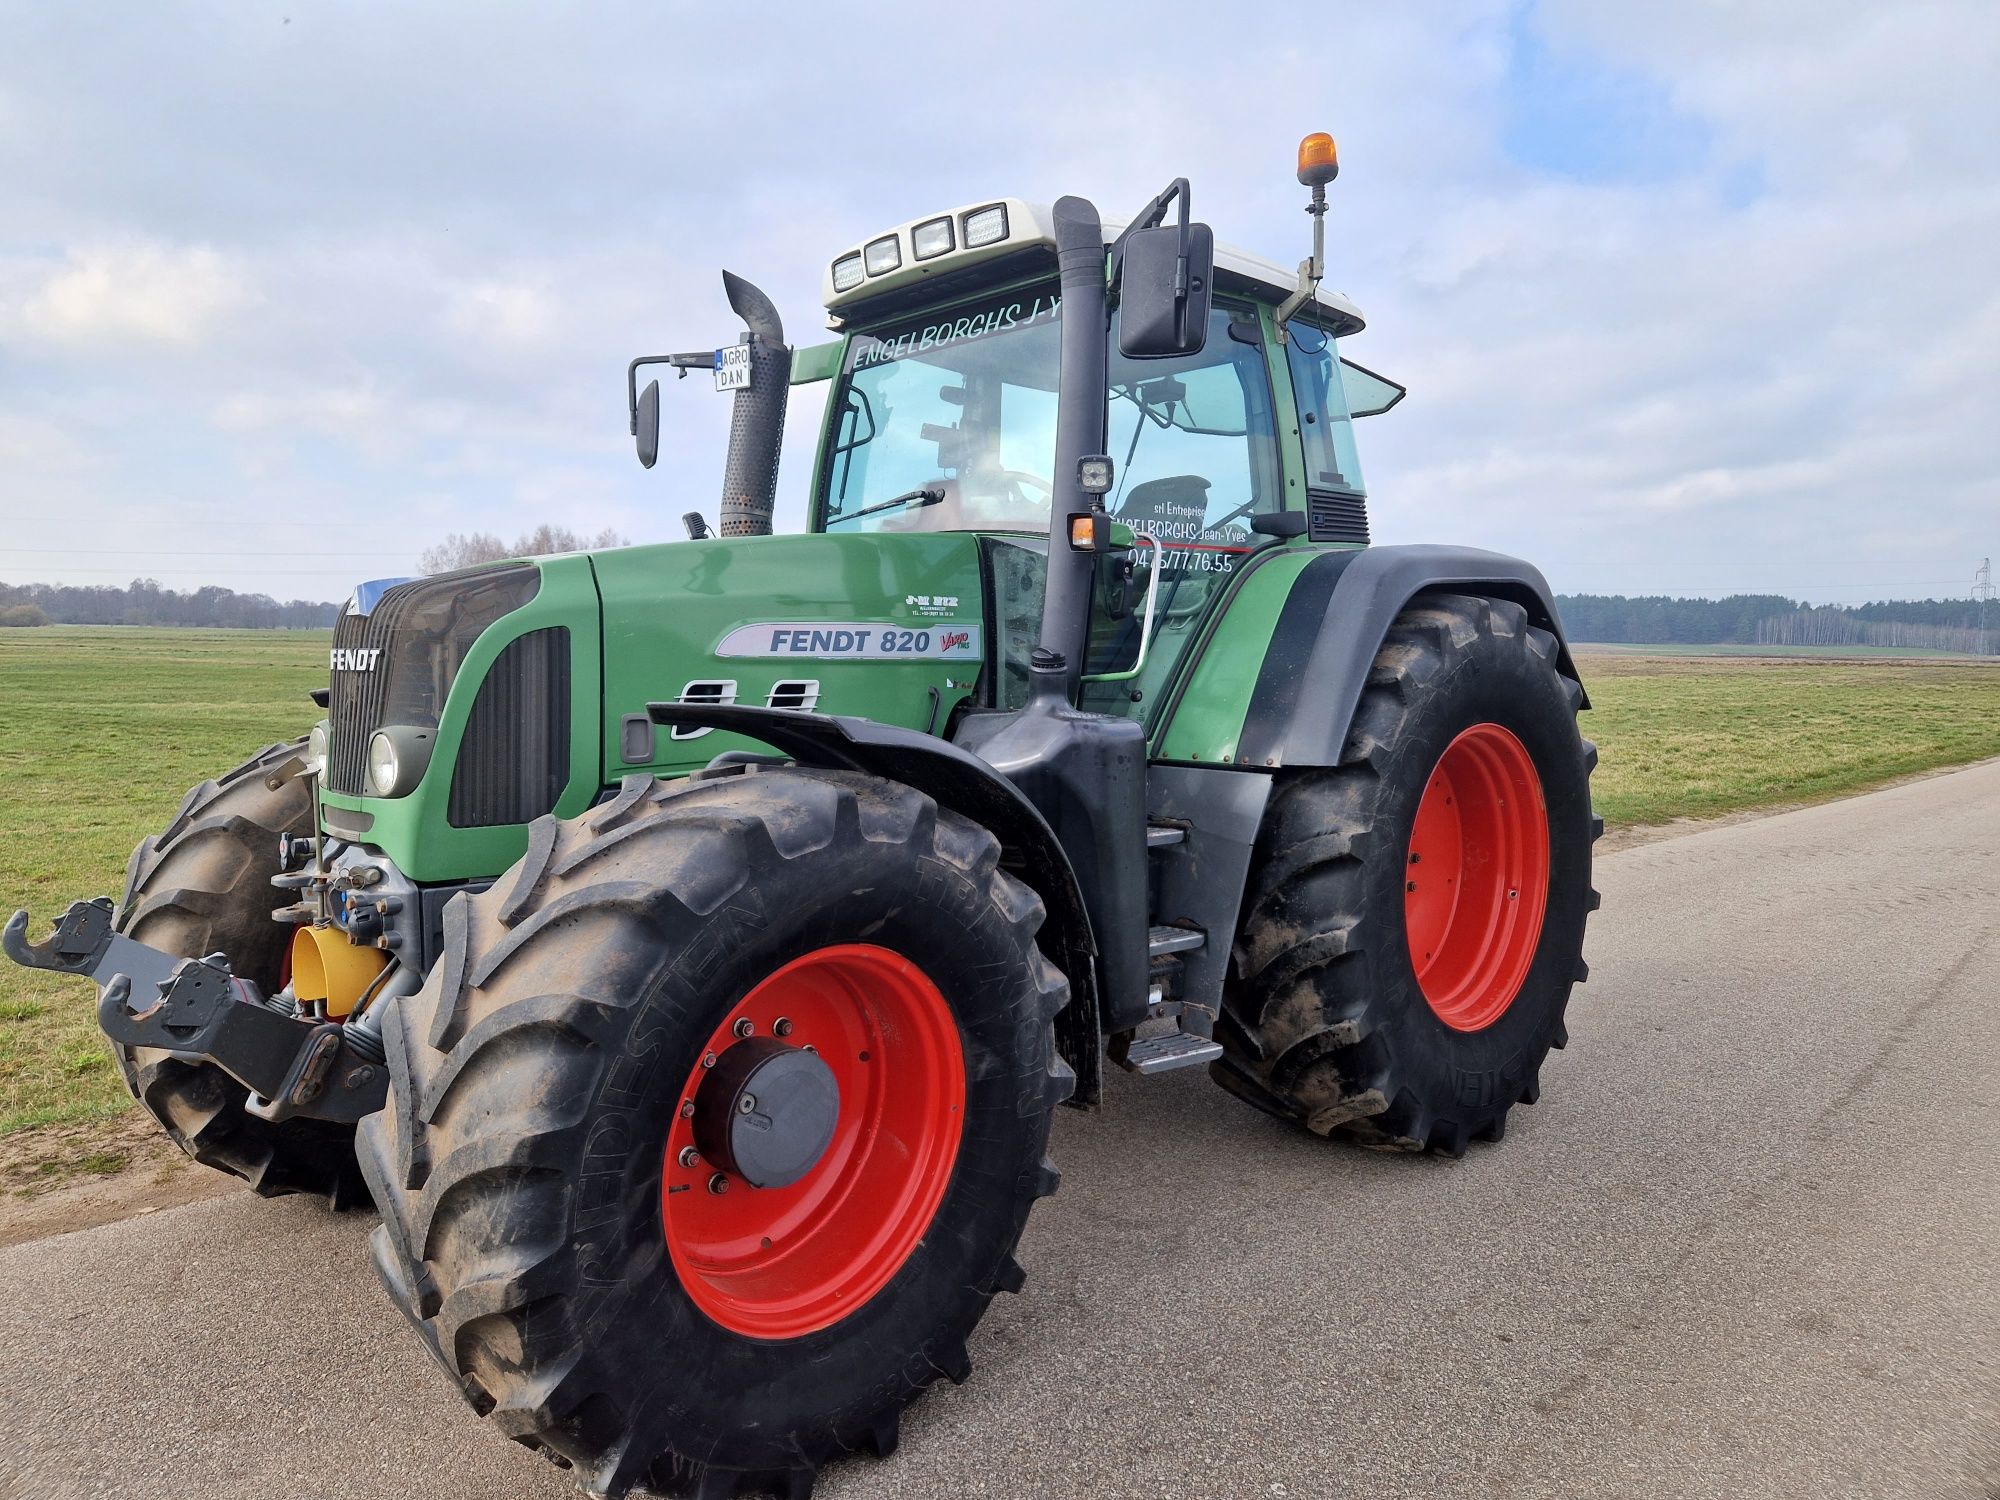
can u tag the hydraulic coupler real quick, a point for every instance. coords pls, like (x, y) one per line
(198, 1010)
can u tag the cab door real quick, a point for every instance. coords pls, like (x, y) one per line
(1196, 447)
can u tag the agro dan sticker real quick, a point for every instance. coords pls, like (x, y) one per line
(817, 640)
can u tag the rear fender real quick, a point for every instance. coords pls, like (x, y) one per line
(957, 779)
(1333, 622)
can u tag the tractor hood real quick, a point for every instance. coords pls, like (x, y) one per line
(510, 692)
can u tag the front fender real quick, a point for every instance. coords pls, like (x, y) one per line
(1322, 643)
(954, 778)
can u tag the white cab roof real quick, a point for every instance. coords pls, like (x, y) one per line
(1032, 224)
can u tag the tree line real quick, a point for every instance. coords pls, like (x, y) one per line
(146, 603)
(1773, 620)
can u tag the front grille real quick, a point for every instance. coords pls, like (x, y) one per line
(513, 761)
(420, 634)
(354, 699)
(1337, 518)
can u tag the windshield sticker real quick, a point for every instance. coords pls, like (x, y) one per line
(962, 329)
(945, 641)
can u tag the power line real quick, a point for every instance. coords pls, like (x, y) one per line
(179, 552)
(142, 571)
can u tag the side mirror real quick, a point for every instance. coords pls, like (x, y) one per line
(1165, 290)
(646, 424)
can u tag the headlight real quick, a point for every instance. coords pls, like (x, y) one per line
(316, 743)
(396, 759)
(847, 272)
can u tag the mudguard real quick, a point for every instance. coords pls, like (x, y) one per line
(960, 780)
(1332, 623)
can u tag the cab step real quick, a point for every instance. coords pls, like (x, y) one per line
(1168, 1051)
(1160, 940)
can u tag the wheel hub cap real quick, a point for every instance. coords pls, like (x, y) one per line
(766, 1112)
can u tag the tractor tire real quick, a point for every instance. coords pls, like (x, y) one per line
(1414, 918)
(593, 1279)
(204, 886)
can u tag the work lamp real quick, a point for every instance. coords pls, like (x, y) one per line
(986, 226)
(932, 238)
(883, 256)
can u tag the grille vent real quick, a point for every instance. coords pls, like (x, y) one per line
(513, 761)
(801, 694)
(1337, 518)
(702, 692)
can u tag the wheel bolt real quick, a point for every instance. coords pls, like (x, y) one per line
(747, 1104)
(744, 1027)
(718, 1184)
(783, 1026)
(690, 1157)
(687, 1109)
(708, 1059)
(1409, 885)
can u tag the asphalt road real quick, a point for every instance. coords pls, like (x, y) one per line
(1747, 1245)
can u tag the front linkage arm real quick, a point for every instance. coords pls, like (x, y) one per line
(291, 1065)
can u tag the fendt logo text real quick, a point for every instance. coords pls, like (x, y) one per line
(355, 659)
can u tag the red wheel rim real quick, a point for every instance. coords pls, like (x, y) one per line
(1477, 880)
(782, 1262)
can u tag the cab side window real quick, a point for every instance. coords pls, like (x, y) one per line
(1194, 441)
(1325, 428)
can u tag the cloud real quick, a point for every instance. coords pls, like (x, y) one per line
(149, 292)
(1690, 297)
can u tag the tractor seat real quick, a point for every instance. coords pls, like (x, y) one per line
(1175, 507)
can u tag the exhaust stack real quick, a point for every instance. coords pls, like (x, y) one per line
(757, 420)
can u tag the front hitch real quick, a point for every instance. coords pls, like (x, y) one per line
(197, 1009)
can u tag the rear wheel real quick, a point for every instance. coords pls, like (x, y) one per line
(204, 886)
(711, 1135)
(1415, 916)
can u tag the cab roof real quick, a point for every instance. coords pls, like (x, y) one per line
(1029, 239)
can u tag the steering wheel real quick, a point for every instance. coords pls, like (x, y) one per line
(1020, 477)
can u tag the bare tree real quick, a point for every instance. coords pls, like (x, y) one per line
(474, 547)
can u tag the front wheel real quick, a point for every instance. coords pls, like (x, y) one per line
(712, 1133)
(1414, 921)
(203, 886)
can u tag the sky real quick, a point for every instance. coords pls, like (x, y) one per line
(1691, 298)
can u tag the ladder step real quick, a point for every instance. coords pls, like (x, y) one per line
(1175, 1049)
(1159, 835)
(1173, 940)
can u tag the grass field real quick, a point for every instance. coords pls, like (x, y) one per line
(102, 730)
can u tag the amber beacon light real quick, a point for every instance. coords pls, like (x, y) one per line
(1319, 163)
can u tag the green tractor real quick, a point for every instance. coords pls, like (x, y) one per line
(685, 947)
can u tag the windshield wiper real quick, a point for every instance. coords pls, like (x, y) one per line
(926, 495)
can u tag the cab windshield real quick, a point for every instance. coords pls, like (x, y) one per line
(948, 423)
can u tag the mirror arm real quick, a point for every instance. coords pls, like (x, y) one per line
(1149, 218)
(705, 360)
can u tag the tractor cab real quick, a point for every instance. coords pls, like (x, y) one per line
(943, 410)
